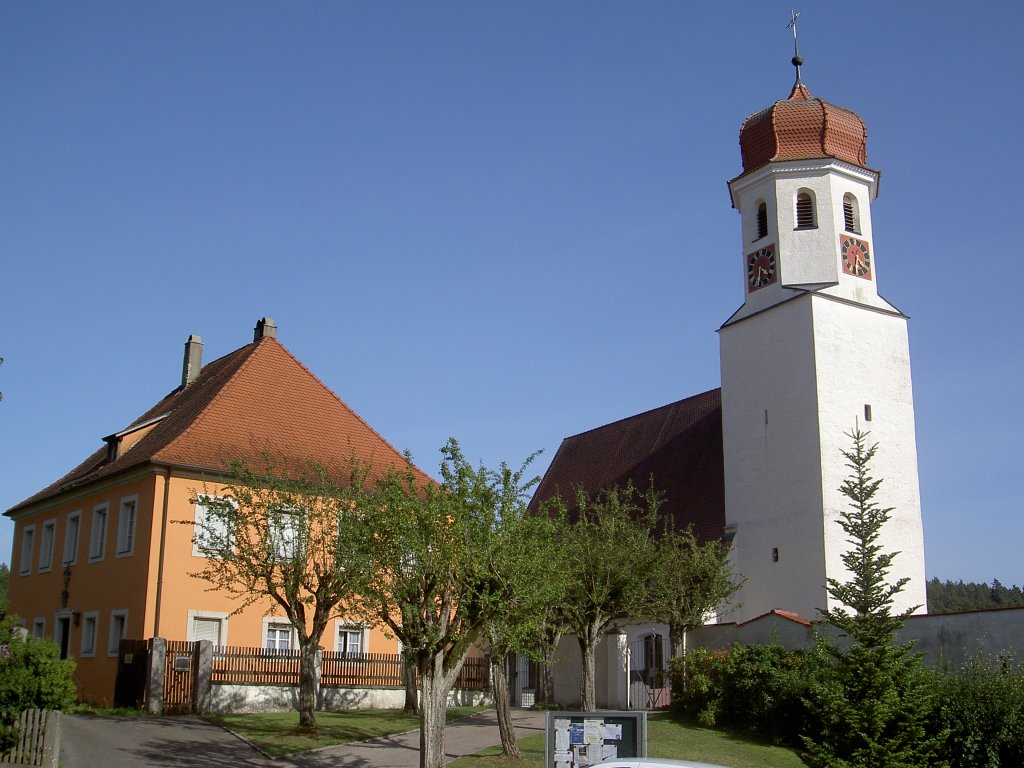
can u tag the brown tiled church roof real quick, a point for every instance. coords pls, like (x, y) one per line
(679, 444)
(802, 127)
(256, 400)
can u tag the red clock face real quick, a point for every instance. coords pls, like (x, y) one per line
(761, 268)
(856, 257)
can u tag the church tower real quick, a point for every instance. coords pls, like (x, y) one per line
(813, 352)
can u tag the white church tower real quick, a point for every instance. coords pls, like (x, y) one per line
(813, 352)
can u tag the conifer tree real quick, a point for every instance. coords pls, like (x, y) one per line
(872, 700)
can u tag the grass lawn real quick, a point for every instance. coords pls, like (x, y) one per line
(665, 738)
(277, 733)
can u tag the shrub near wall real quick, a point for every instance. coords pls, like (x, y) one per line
(980, 714)
(757, 689)
(32, 676)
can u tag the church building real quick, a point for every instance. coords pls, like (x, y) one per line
(813, 352)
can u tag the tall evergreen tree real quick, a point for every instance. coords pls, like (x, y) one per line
(872, 701)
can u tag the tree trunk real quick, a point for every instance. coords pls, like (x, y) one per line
(547, 674)
(677, 639)
(435, 686)
(307, 684)
(588, 647)
(412, 702)
(502, 703)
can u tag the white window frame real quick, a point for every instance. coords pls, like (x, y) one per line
(278, 623)
(118, 618)
(39, 627)
(200, 516)
(220, 616)
(340, 626)
(28, 544)
(90, 634)
(69, 555)
(47, 544)
(98, 532)
(284, 533)
(127, 523)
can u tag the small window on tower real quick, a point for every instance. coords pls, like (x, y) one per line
(805, 218)
(867, 412)
(775, 554)
(851, 216)
(762, 220)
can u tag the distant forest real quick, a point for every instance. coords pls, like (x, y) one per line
(953, 597)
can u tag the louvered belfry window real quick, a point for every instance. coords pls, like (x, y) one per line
(850, 214)
(762, 220)
(805, 211)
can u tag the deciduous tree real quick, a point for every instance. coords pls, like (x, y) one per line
(520, 628)
(689, 581)
(290, 536)
(452, 555)
(609, 556)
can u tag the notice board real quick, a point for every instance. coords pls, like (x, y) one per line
(578, 739)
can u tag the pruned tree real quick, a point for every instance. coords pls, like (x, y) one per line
(690, 580)
(291, 537)
(872, 700)
(451, 555)
(608, 554)
(519, 629)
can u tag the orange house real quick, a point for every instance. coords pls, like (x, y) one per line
(98, 555)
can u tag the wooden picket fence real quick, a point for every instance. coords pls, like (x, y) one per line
(38, 740)
(242, 665)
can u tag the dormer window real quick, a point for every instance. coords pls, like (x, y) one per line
(805, 218)
(851, 214)
(762, 220)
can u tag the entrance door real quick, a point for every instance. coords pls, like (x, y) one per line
(64, 633)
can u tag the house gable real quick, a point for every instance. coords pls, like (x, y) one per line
(256, 401)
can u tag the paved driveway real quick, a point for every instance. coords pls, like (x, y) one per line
(87, 741)
(175, 742)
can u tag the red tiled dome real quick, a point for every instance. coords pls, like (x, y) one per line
(802, 127)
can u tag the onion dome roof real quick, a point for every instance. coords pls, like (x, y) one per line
(802, 127)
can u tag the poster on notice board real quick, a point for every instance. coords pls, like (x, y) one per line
(580, 739)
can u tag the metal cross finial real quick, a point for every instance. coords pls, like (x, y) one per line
(797, 60)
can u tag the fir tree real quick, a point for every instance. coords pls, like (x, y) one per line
(872, 702)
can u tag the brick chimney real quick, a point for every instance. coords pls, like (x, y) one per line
(265, 328)
(193, 361)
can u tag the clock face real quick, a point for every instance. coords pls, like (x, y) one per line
(856, 257)
(761, 267)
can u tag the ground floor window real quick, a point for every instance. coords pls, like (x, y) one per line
(349, 641)
(118, 631)
(278, 637)
(208, 628)
(90, 629)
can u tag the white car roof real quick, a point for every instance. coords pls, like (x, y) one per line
(653, 762)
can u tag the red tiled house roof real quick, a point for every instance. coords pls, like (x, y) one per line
(679, 444)
(256, 400)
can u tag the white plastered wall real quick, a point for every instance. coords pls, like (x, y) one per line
(795, 380)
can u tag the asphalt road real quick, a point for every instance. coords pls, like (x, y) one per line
(175, 742)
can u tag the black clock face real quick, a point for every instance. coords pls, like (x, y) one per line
(856, 256)
(761, 267)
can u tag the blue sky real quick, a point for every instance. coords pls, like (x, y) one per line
(506, 222)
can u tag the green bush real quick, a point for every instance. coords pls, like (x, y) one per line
(31, 676)
(980, 715)
(757, 689)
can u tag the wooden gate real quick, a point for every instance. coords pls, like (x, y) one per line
(132, 673)
(179, 672)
